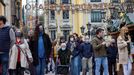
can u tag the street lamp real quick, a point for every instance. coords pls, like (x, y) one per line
(88, 28)
(82, 29)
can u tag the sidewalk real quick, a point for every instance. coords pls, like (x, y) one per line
(54, 74)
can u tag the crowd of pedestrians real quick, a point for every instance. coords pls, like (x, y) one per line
(36, 54)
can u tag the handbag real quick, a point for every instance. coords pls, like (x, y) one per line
(29, 62)
(26, 71)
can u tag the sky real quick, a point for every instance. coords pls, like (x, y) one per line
(28, 1)
(24, 1)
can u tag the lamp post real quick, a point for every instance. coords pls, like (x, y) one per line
(88, 28)
(36, 22)
(82, 29)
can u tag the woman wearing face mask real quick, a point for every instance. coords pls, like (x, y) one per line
(64, 54)
(74, 45)
(20, 55)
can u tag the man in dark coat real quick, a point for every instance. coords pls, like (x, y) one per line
(43, 46)
(7, 40)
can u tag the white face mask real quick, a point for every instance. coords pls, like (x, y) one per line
(71, 39)
(87, 41)
(63, 49)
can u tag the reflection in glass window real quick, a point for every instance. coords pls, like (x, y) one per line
(66, 14)
(96, 16)
(52, 14)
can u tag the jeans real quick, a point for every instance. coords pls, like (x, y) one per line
(75, 65)
(4, 62)
(127, 68)
(41, 67)
(101, 61)
(51, 65)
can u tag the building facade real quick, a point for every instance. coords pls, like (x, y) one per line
(66, 22)
(11, 10)
(2, 7)
(15, 12)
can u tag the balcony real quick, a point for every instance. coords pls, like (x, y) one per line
(52, 22)
(66, 22)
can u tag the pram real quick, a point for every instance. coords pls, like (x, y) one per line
(61, 69)
(62, 65)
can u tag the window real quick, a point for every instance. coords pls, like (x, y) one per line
(66, 34)
(96, 16)
(95, 0)
(52, 1)
(66, 14)
(52, 14)
(65, 1)
(53, 35)
(115, 1)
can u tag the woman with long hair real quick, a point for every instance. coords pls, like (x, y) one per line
(74, 46)
(123, 43)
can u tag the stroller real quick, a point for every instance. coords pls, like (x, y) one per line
(63, 63)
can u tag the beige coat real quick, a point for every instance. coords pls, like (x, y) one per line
(13, 55)
(122, 50)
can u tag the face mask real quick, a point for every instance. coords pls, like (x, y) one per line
(41, 28)
(18, 34)
(87, 41)
(71, 39)
(63, 49)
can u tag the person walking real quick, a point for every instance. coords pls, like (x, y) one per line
(20, 55)
(7, 40)
(64, 54)
(112, 51)
(31, 42)
(123, 43)
(74, 46)
(100, 52)
(87, 55)
(43, 46)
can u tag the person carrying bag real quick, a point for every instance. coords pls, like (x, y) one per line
(20, 56)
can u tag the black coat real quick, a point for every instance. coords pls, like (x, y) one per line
(64, 56)
(33, 50)
(47, 45)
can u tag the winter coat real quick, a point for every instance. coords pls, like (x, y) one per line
(64, 56)
(13, 55)
(33, 51)
(47, 45)
(112, 52)
(99, 49)
(86, 50)
(76, 49)
(122, 50)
